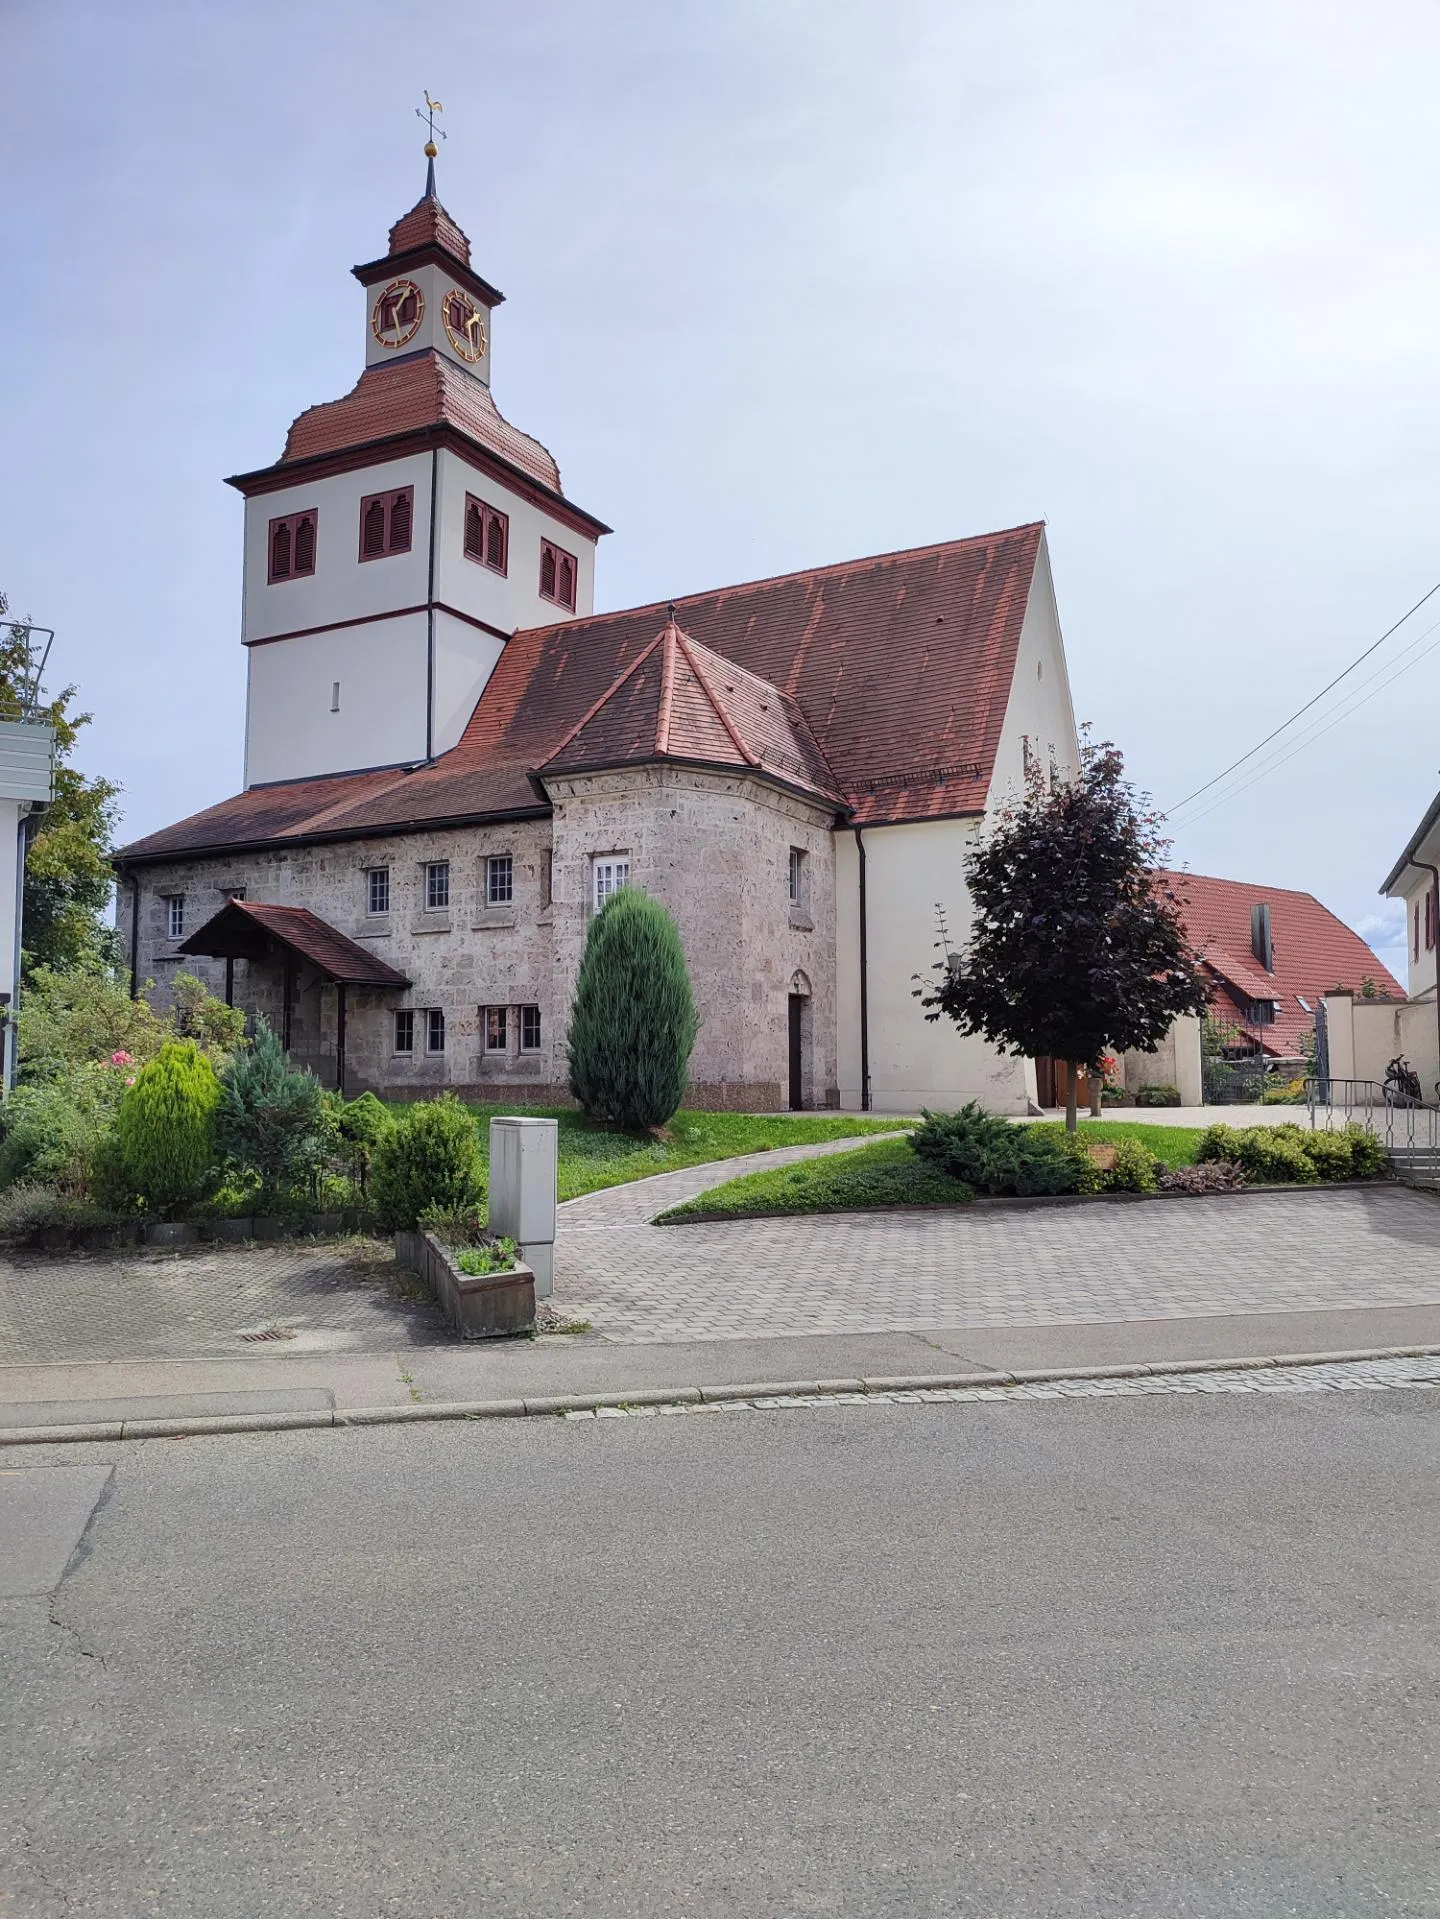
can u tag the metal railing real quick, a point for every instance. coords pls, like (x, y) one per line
(1405, 1125)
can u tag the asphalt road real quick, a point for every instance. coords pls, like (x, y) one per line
(1173, 1656)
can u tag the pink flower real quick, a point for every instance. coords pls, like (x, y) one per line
(122, 1058)
(131, 1080)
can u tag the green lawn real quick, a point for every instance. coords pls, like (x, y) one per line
(1176, 1145)
(593, 1156)
(884, 1174)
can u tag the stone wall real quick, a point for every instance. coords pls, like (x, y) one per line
(714, 848)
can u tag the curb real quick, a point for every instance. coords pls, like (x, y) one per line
(551, 1405)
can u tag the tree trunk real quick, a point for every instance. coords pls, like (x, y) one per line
(1071, 1084)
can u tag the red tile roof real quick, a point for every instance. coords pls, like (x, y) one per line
(424, 389)
(679, 701)
(894, 673)
(428, 224)
(239, 929)
(1313, 953)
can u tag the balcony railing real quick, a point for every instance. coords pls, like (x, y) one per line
(1405, 1125)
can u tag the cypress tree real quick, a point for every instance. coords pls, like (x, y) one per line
(633, 1024)
(165, 1128)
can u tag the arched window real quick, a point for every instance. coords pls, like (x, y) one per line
(280, 550)
(474, 531)
(487, 532)
(292, 547)
(558, 570)
(305, 543)
(400, 522)
(495, 542)
(372, 542)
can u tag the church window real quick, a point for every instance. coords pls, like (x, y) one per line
(529, 1029)
(499, 880)
(797, 876)
(435, 1030)
(609, 875)
(377, 890)
(385, 521)
(487, 534)
(405, 1030)
(175, 916)
(437, 886)
(292, 547)
(496, 1028)
(557, 574)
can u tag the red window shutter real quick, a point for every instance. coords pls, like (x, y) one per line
(474, 531)
(566, 593)
(305, 543)
(495, 542)
(547, 570)
(280, 550)
(373, 538)
(400, 523)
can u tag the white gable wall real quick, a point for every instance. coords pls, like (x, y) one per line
(912, 868)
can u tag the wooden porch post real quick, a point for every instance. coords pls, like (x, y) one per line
(229, 982)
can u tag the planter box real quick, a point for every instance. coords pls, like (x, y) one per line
(482, 1306)
(169, 1232)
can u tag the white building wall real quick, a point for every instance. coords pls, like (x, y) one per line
(512, 599)
(1419, 959)
(381, 669)
(1040, 708)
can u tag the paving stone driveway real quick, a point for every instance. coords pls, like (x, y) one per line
(917, 1271)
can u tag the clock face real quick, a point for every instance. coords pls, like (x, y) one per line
(465, 324)
(397, 313)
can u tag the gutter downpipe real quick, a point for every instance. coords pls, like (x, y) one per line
(1424, 866)
(430, 611)
(864, 981)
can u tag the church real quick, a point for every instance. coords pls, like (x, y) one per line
(451, 761)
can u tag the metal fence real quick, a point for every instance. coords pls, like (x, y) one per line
(1406, 1126)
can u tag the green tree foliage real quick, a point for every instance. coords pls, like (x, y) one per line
(55, 1127)
(355, 1128)
(78, 1018)
(633, 1024)
(68, 878)
(270, 1120)
(1077, 944)
(165, 1128)
(429, 1158)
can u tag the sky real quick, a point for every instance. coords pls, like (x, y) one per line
(789, 282)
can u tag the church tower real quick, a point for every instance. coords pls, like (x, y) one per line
(404, 534)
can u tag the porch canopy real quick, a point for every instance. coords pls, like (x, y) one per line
(292, 935)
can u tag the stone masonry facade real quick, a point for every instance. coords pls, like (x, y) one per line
(716, 848)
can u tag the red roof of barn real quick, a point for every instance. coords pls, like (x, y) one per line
(892, 674)
(1314, 952)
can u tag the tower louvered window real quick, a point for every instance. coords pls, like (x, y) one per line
(385, 522)
(305, 543)
(557, 575)
(292, 547)
(487, 534)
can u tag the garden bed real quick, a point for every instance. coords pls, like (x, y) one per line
(479, 1305)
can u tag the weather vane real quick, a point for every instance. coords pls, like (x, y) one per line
(427, 114)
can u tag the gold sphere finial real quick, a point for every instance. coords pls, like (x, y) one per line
(431, 150)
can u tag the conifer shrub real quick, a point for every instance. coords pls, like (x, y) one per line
(429, 1158)
(998, 1159)
(270, 1121)
(165, 1129)
(355, 1128)
(633, 1024)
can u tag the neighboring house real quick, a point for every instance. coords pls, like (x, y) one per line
(451, 761)
(1412, 1030)
(1271, 956)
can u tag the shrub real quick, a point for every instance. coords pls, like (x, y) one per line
(1134, 1169)
(495, 1256)
(356, 1127)
(269, 1122)
(1157, 1096)
(634, 1021)
(429, 1157)
(464, 1226)
(30, 1209)
(76, 1019)
(53, 1128)
(1215, 1176)
(217, 1029)
(1330, 1155)
(165, 1128)
(996, 1158)
(1368, 1158)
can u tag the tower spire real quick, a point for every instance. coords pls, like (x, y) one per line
(427, 114)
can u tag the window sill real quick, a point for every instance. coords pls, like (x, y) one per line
(492, 918)
(801, 922)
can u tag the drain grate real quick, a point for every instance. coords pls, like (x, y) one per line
(268, 1332)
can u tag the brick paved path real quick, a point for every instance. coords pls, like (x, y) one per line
(909, 1272)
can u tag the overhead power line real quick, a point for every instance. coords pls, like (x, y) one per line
(1299, 712)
